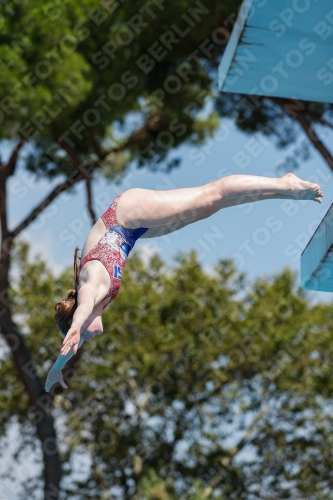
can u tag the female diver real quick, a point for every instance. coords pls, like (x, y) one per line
(145, 213)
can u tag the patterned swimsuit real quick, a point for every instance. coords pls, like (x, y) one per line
(113, 248)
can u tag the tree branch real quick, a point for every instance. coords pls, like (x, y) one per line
(12, 162)
(5, 234)
(75, 159)
(295, 109)
(94, 143)
(81, 173)
(136, 135)
(101, 156)
(312, 135)
(90, 205)
(61, 188)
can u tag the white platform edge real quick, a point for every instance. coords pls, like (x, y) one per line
(232, 45)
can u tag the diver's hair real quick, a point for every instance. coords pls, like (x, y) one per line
(64, 312)
(77, 260)
(65, 309)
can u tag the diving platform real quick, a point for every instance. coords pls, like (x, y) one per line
(281, 48)
(317, 257)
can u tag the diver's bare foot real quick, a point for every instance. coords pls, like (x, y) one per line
(298, 189)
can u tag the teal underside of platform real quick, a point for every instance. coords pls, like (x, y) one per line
(282, 48)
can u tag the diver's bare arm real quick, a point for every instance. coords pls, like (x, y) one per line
(62, 360)
(86, 301)
(82, 313)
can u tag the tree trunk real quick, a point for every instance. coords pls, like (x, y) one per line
(40, 401)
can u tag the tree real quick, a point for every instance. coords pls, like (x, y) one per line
(199, 385)
(88, 89)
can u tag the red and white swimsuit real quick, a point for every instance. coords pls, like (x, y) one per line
(113, 248)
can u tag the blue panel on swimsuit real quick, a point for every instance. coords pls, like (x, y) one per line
(125, 249)
(130, 235)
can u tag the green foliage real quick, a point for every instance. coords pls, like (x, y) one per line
(81, 71)
(199, 385)
(153, 487)
(81, 63)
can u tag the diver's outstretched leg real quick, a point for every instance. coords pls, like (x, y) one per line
(147, 208)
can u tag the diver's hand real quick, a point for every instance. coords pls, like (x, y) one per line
(72, 339)
(53, 377)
